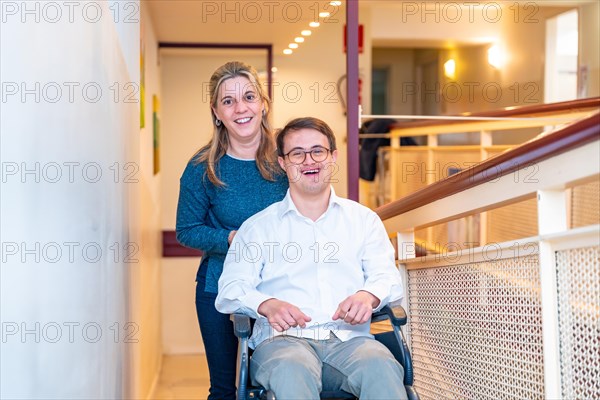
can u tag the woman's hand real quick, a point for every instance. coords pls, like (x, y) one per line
(231, 236)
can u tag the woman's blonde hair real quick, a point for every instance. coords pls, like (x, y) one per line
(211, 153)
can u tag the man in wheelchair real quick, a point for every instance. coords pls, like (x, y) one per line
(311, 270)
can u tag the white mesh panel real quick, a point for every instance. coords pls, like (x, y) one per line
(578, 273)
(476, 330)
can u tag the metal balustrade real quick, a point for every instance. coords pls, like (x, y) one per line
(515, 319)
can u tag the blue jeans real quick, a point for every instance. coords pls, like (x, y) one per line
(220, 344)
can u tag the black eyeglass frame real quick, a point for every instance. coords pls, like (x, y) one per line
(327, 151)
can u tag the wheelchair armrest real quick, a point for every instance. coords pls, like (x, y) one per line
(241, 325)
(396, 315)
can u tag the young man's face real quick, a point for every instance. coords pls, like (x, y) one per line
(308, 176)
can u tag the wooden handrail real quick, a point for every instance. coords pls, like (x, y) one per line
(519, 111)
(529, 153)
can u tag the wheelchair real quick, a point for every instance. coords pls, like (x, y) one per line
(393, 340)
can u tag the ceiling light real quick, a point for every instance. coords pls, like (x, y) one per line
(335, 3)
(287, 51)
(299, 39)
(306, 32)
(293, 45)
(314, 24)
(274, 69)
(324, 14)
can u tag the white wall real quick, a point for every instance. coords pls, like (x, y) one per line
(76, 323)
(64, 314)
(145, 274)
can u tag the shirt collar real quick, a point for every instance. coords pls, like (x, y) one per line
(287, 204)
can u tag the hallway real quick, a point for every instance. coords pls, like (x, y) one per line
(183, 377)
(104, 103)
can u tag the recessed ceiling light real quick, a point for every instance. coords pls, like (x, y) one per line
(335, 3)
(314, 24)
(306, 32)
(274, 69)
(324, 14)
(287, 51)
(293, 45)
(299, 39)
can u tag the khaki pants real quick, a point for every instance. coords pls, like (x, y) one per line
(299, 368)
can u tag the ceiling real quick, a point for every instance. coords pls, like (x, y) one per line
(269, 22)
(263, 22)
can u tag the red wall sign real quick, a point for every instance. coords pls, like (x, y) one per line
(360, 39)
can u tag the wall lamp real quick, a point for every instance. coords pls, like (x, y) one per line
(450, 68)
(496, 57)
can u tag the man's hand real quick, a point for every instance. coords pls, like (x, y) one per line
(356, 309)
(282, 315)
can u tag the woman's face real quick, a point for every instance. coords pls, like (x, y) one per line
(240, 108)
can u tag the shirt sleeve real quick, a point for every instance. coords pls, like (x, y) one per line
(191, 228)
(382, 278)
(241, 276)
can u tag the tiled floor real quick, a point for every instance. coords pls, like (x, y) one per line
(183, 377)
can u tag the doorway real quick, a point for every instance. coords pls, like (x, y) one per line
(428, 101)
(562, 50)
(379, 89)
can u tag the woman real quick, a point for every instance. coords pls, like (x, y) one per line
(231, 178)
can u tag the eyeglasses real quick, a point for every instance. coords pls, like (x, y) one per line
(297, 156)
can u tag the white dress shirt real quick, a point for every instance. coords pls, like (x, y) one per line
(314, 265)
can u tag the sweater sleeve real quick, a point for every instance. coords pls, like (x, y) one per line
(192, 230)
